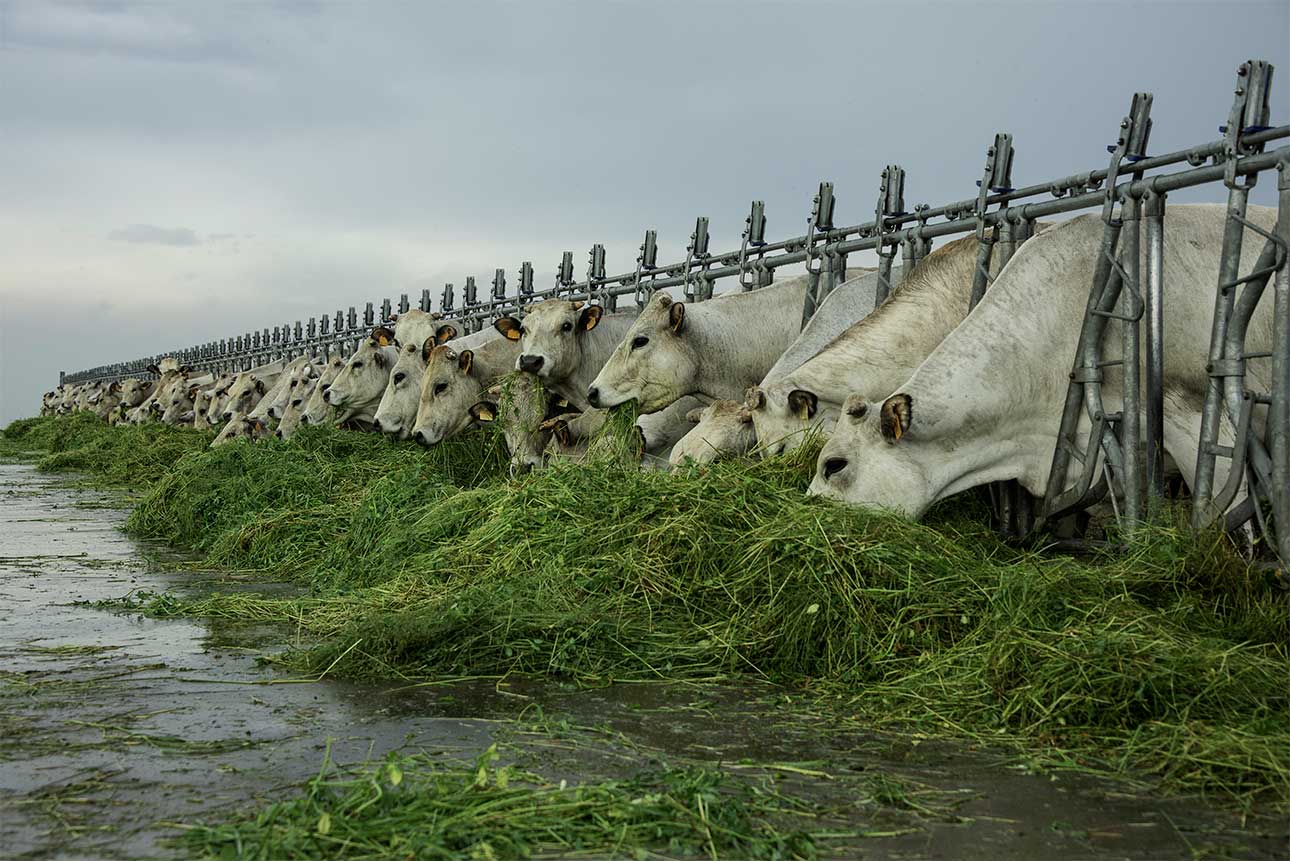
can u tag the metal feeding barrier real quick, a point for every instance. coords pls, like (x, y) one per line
(1122, 460)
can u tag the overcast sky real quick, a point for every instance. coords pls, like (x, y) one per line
(174, 173)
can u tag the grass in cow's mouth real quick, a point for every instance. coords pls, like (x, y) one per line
(1170, 660)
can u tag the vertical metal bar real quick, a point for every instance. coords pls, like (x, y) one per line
(1212, 412)
(1154, 225)
(1131, 478)
(1279, 412)
(883, 289)
(981, 275)
(1085, 368)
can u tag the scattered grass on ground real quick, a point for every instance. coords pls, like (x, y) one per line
(415, 807)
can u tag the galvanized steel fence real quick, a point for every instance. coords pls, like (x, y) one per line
(1130, 192)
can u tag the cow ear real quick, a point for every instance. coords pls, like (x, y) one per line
(483, 411)
(676, 317)
(556, 402)
(509, 327)
(154, 369)
(695, 415)
(445, 333)
(115, 387)
(186, 369)
(589, 317)
(382, 337)
(802, 404)
(427, 347)
(466, 361)
(259, 386)
(897, 413)
(192, 392)
(755, 398)
(855, 406)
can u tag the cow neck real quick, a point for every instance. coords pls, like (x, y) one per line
(736, 339)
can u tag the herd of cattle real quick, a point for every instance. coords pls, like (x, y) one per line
(918, 398)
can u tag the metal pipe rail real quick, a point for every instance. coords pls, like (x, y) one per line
(897, 230)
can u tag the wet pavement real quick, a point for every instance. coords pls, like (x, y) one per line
(116, 728)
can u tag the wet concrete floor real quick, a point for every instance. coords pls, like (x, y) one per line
(115, 728)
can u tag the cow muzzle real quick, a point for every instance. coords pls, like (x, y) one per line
(531, 364)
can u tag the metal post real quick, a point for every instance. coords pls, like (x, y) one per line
(1279, 411)
(1130, 314)
(1212, 412)
(1154, 226)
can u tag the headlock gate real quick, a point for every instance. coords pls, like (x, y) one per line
(1123, 459)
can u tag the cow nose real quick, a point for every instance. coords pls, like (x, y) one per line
(531, 364)
(304, 420)
(376, 423)
(593, 396)
(522, 468)
(327, 395)
(227, 416)
(834, 465)
(420, 436)
(278, 433)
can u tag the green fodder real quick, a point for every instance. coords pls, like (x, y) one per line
(617, 442)
(312, 505)
(413, 807)
(125, 455)
(1171, 659)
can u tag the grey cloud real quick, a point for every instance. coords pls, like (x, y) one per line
(150, 234)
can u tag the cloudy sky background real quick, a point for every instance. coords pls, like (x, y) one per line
(175, 172)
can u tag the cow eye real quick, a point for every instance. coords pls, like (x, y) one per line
(297, 402)
(356, 365)
(567, 327)
(639, 341)
(440, 388)
(399, 377)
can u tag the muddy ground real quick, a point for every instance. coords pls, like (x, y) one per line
(115, 729)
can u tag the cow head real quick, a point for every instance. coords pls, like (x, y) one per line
(873, 458)
(721, 429)
(655, 363)
(362, 381)
(449, 386)
(397, 413)
(521, 405)
(784, 415)
(550, 336)
(317, 411)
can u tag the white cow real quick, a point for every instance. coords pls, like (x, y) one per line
(275, 399)
(453, 381)
(293, 412)
(727, 431)
(565, 344)
(873, 355)
(249, 388)
(317, 411)
(986, 404)
(716, 348)
(397, 412)
(357, 389)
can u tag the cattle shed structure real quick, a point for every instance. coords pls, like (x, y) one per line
(1123, 459)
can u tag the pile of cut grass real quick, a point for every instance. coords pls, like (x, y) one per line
(414, 807)
(1171, 659)
(330, 507)
(131, 456)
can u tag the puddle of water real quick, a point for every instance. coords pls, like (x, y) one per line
(113, 726)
